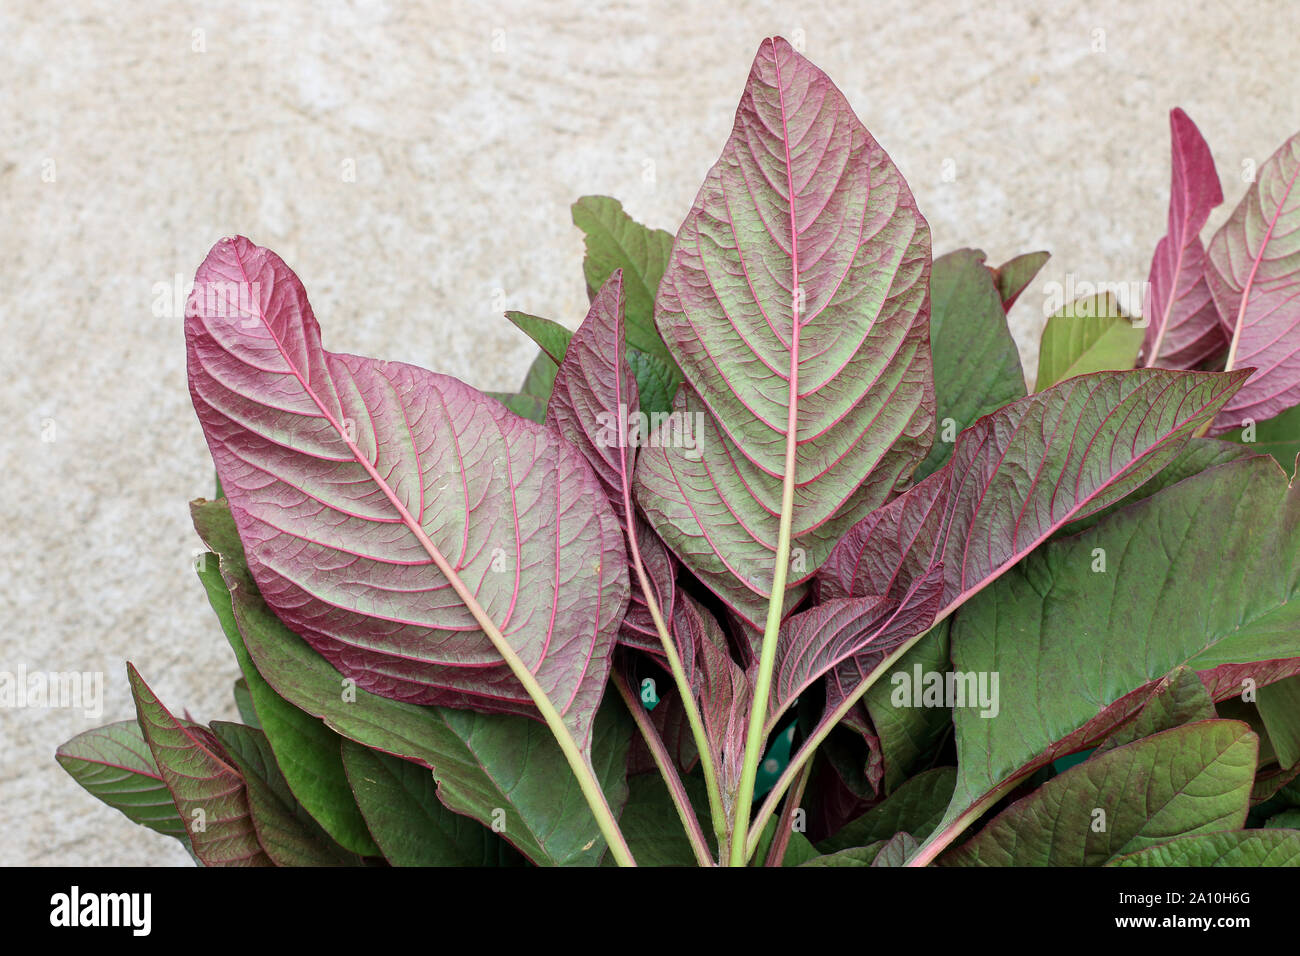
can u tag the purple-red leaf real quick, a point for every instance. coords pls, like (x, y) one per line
(388, 512)
(1018, 475)
(595, 407)
(1184, 326)
(1254, 274)
(816, 641)
(796, 298)
(722, 688)
(207, 789)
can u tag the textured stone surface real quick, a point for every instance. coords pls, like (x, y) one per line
(469, 133)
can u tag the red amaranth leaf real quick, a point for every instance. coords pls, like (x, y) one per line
(816, 641)
(207, 789)
(796, 297)
(1015, 477)
(594, 404)
(1184, 326)
(1254, 275)
(382, 507)
(1018, 475)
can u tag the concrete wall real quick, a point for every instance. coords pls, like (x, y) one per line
(131, 139)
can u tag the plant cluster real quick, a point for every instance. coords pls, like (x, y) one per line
(774, 560)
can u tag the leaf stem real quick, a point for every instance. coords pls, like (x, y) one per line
(802, 759)
(684, 689)
(667, 770)
(785, 824)
(582, 769)
(938, 842)
(741, 849)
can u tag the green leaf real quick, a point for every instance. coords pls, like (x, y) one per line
(1279, 437)
(113, 764)
(853, 856)
(401, 806)
(525, 406)
(651, 825)
(208, 792)
(614, 240)
(1088, 335)
(908, 731)
(285, 830)
(1279, 706)
(1204, 574)
(895, 851)
(244, 702)
(1180, 698)
(1285, 820)
(1192, 779)
(916, 807)
(797, 852)
(976, 364)
(551, 337)
(1231, 848)
(306, 751)
(482, 762)
(656, 382)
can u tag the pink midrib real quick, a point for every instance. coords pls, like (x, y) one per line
(792, 417)
(1254, 268)
(452, 577)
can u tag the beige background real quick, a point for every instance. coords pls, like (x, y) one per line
(471, 128)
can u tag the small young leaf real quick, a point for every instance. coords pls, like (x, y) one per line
(1090, 335)
(1179, 698)
(1014, 276)
(1184, 327)
(551, 337)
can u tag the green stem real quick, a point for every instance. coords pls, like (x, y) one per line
(785, 825)
(672, 779)
(938, 842)
(684, 689)
(582, 770)
(820, 733)
(754, 740)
